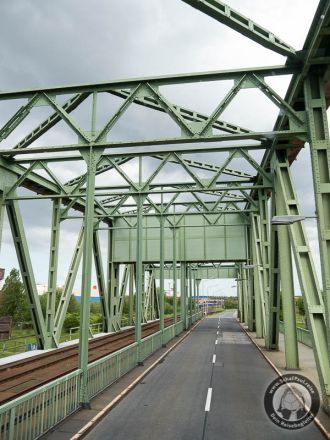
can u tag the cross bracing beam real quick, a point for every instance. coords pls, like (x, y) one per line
(40, 184)
(52, 120)
(223, 13)
(75, 101)
(185, 213)
(129, 154)
(186, 113)
(105, 166)
(185, 78)
(259, 135)
(111, 192)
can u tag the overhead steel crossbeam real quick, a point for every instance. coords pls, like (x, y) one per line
(220, 11)
(165, 80)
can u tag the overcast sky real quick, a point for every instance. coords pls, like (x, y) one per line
(47, 43)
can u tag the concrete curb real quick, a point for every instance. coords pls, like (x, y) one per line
(99, 416)
(317, 422)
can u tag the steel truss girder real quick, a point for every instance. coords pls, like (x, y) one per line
(185, 113)
(258, 135)
(287, 288)
(101, 281)
(52, 120)
(306, 273)
(86, 285)
(265, 254)
(258, 277)
(52, 272)
(245, 26)
(150, 299)
(273, 291)
(185, 78)
(319, 142)
(140, 153)
(104, 166)
(112, 284)
(68, 285)
(24, 260)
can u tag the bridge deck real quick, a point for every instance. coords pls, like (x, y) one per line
(171, 402)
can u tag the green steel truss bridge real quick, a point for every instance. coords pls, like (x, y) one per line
(219, 226)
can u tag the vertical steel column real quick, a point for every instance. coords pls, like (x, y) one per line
(131, 295)
(245, 296)
(265, 251)
(198, 283)
(195, 290)
(144, 296)
(273, 302)
(112, 283)
(183, 294)
(175, 313)
(86, 284)
(287, 291)
(257, 278)
(240, 294)
(161, 273)
(101, 281)
(318, 137)
(313, 300)
(251, 293)
(52, 274)
(139, 272)
(190, 294)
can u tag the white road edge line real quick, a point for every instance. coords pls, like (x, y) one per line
(214, 358)
(208, 400)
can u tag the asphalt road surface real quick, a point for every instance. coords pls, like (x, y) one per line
(210, 387)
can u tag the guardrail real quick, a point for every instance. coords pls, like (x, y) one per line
(303, 335)
(18, 344)
(93, 329)
(33, 414)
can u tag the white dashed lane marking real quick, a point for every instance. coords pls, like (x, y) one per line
(208, 400)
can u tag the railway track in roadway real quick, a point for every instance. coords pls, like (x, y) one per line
(20, 377)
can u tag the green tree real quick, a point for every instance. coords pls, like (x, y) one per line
(13, 299)
(73, 306)
(71, 320)
(300, 306)
(231, 303)
(95, 308)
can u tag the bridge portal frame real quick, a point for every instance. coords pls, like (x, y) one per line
(302, 118)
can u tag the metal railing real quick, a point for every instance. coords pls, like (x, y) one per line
(303, 335)
(93, 329)
(33, 414)
(108, 369)
(18, 344)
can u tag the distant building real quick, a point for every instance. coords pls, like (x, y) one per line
(42, 288)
